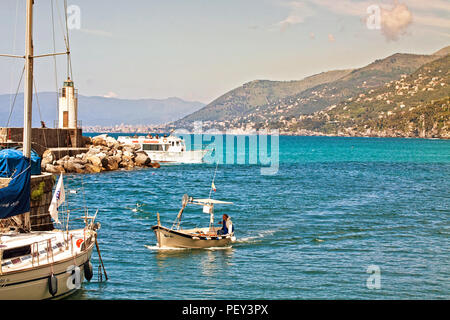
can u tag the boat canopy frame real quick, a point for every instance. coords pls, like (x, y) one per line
(201, 202)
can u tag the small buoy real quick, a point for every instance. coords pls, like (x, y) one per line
(52, 285)
(88, 270)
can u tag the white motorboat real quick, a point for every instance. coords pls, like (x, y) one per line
(196, 238)
(165, 149)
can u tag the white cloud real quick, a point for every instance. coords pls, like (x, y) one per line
(96, 32)
(395, 21)
(396, 16)
(299, 11)
(110, 94)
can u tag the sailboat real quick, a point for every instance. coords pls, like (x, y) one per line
(38, 264)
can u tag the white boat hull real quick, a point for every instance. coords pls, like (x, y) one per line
(188, 157)
(32, 283)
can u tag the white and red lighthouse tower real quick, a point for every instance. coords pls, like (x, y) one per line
(68, 106)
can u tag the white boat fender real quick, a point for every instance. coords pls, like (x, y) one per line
(52, 285)
(88, 270)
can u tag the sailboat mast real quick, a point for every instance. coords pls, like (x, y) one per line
(28, 89)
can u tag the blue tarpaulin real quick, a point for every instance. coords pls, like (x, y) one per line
(15, 198)
(35, 163)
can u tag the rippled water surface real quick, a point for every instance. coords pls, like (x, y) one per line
(336, 207)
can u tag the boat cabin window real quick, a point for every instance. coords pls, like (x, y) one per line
(152, 147)
(16, 252)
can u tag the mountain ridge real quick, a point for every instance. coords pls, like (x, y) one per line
(230, 108)
(101, 111)
(299, 113)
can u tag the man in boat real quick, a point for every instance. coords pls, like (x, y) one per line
(227, 225)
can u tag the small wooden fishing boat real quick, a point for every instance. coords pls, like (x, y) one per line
(197, 238)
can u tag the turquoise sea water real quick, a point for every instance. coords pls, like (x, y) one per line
(335, 207)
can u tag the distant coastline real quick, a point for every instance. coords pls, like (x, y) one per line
(287, 134)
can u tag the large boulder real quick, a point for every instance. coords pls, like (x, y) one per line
(112, 164)
(142, 159)
(155, 165)
(100, 140)
(47, 158)
(79, 168)
(126, 163)
(74, 167)
(90, 168)
(95, 160)
(86, 140)
(111, 142)
(54, 169)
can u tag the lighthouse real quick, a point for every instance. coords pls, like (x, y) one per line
(68, 106)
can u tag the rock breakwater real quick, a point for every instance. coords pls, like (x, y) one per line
(104, 154)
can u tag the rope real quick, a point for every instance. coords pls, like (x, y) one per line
(55, 65)
(39, 109)
(15, 97)
(12, 178)
(5, 172)
(69, 60)
(14, 50)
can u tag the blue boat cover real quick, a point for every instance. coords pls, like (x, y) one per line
(35, 163)
(15, 198)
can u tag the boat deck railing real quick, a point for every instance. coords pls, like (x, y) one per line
(44, 248)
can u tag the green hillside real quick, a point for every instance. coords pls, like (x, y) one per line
(264, 101)
(356, 82)
(414, 106)
(443, 52)
(239, 101)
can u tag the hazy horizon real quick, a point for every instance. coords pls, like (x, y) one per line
(198, 50)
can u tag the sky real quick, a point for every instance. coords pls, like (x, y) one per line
(198, 50)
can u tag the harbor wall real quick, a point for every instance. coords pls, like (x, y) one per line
(41, 197)
(43, 138)
(38, 219)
